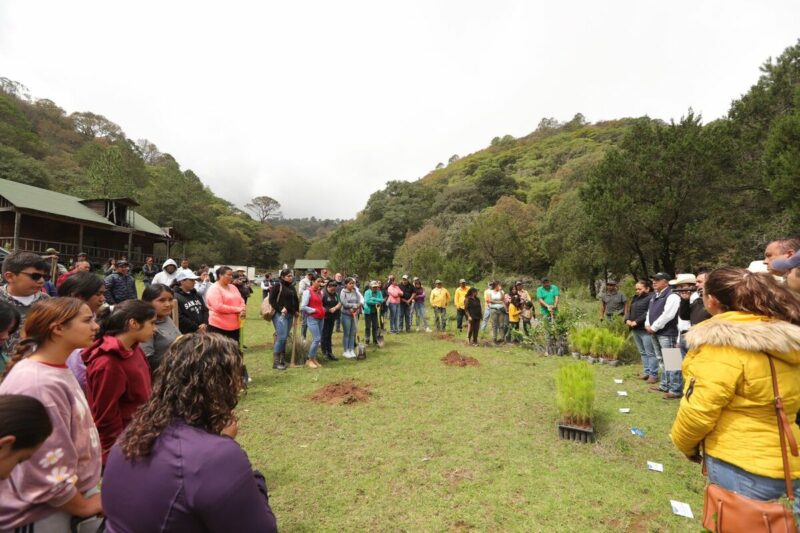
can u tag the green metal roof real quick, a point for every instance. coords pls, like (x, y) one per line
(55, 203)
(308, 264)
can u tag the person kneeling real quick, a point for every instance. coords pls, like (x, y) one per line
(179, 453)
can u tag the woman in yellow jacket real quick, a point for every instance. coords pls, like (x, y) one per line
(728, 406)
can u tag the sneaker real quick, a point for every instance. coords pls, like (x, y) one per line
(348, 355)
(672, 396)
(312, 364)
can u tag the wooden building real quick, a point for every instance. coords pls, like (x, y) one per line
(35, 219)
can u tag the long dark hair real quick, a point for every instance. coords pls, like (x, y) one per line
(154, 290)
(198, 381)
(9, 318)
(114, 321)
(81, 285)
(738, 289)
(24, 418)
(39, 324)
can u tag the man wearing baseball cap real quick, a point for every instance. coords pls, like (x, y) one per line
(440, 297)
(791, 267)
(613, 302)
(459, 299)
(662, 324)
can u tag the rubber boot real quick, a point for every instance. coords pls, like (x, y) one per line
(277, 362)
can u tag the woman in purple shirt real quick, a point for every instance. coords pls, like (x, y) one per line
(176, 467)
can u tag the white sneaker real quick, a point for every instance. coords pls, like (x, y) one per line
(349, 354)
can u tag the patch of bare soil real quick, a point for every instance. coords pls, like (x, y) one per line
(342, 393)
(454, 358)
(444, 336)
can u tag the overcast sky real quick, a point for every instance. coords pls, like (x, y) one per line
(288, 98)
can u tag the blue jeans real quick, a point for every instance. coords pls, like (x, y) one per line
(670, 381)
(283, 324)
(315, 327)
(486, 314)
(405, 316)
(419, 310)
(733, 478)
(348, 332)
(394, 318)
(644, 343)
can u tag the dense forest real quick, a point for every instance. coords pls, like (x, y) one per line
(578, 200)
(582, 201)
(87, 155)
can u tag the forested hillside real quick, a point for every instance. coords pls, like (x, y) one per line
(580, 200)
(88, 155)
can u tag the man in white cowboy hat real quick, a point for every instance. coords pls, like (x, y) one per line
(791, 268)
(684, 285)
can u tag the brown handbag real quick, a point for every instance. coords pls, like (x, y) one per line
(725, 511)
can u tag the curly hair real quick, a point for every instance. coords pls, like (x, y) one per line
(198, 381)
(738, 289)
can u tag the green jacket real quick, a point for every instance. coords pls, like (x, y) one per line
(371, 299)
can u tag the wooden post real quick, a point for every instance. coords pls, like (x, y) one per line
(130, 244)
(17, 221)
(80, 238)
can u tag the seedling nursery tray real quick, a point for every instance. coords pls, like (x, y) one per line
(575, 433)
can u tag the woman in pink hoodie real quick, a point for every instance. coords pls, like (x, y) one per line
(60, 479)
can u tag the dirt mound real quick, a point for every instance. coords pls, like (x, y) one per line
(456, 359)
(443, 336)
(342, 393)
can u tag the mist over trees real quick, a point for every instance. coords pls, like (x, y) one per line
(575, 199)
(581, 201)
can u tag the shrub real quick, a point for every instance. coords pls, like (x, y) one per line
(575, 394)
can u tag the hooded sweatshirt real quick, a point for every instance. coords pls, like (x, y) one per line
(192, 310)
(118, 382)
(164, 277)
(69, 459)
(165, 334)
(728, 397)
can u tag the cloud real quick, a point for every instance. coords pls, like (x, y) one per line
(318, 104)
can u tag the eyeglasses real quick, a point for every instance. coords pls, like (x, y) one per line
(36, 276)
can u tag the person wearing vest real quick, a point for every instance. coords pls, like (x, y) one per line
(635, 319)
(314, 314)
(662, 324)
(330, 301)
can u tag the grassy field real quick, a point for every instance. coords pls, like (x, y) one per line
(441, 448)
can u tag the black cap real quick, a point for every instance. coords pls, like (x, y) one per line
(662, 275)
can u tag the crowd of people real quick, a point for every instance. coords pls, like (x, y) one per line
(324, 304)
(96, 379)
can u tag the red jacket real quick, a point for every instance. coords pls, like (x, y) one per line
(118, 381)
(315, 302)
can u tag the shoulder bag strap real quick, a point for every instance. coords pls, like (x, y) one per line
(784, 430)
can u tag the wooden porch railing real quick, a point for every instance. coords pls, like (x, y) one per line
(67, 250)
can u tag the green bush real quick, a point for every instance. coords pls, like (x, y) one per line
(575, 394)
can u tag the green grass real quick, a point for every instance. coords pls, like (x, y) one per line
(456, 449)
